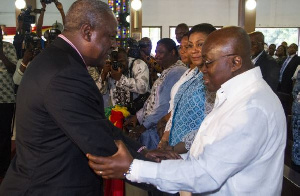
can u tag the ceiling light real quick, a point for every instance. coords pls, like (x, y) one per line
(20, 4)
(251, 4)
(136, 4)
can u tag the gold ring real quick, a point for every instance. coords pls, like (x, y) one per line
(100, 172)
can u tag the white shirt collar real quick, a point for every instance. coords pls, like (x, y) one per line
(257, 57)
(237, 84)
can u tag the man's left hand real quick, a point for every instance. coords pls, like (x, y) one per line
(112, 167)
(116, 74)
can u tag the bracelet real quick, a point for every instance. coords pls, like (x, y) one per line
(129, 170)
(141, 148)
(23, 64)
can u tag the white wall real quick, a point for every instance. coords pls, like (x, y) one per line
(278, 13)
(165, 13)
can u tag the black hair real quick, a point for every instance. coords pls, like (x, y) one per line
(169, 44)
(202, 28)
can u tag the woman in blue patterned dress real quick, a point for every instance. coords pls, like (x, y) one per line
(191, 102)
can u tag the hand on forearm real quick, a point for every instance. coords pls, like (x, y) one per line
(112, 167)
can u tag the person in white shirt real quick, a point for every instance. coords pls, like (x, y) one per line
(126, 81)
(239, 148)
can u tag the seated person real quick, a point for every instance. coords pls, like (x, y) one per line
(155, 69)
(157, 105)
(190, 101)
(124, 78)
(183, 50)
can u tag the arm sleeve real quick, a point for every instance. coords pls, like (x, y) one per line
(163, 98)
(18, 75)
(102, 84)
(11, 54)
(73, 102)
(223, 158)
(140, 81)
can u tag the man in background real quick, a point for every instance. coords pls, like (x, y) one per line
(180, 30)
(268, 66)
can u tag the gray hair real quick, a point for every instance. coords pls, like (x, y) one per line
(93, 12)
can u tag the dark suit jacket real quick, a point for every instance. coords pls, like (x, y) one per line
(60, 119)
(286, 85)
(269, 69)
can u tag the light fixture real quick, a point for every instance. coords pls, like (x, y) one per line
(128, 18)
(251, 4)
(123, 19)
(20, 4)
(136, 4)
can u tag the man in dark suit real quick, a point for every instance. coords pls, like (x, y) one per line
(60, 115)
(288, 69)
(269, 67)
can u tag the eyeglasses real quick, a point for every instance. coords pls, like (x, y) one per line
(206, 62)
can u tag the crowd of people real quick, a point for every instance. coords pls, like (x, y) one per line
(207, 116)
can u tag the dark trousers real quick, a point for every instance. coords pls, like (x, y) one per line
(6, 116)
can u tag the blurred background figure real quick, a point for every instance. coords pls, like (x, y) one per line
(268, 65)
(271, 50)
(8, 60)
(281, 55)
(180, 30)
(155, 69)
(183, 50)
(123, 78)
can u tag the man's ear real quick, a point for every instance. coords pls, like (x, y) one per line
(86, 32)
(236, 63)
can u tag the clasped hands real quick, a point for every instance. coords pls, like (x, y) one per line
(116, 166)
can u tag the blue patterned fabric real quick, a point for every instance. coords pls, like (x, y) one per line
(189, 108)
(296, 122)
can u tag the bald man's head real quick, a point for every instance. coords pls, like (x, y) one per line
(226, 53)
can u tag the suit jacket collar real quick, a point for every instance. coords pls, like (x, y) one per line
(262, 56)
(63, 45)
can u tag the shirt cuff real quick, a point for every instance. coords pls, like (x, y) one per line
(142, 170)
